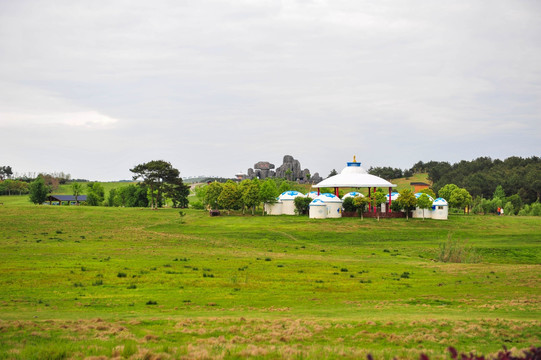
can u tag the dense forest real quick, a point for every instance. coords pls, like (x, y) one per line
(480, 177)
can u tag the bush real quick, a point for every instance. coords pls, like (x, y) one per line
(197, 205)
(302, 205)
(348, 205)
(535, 209)
(509, 209)
(525, 211)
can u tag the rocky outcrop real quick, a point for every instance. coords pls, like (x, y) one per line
(262, 170)
(290, 170)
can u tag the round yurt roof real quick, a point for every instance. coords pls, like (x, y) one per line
(394, 195)
(328, 198)
(352, 194)
(317, 202)
(312, 194)
(289, 195)
(353, 175)
(440, 202)
(417, 195)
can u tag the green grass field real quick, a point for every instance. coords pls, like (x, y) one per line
(135, 283)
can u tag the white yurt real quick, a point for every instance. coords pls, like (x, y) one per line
(318, 209)
(312, 194)
(394, 196)
(287, 199)
(352, 194)
(440, 209)
(333, 203)
(354, 176)
(418, 213)
(274, 209)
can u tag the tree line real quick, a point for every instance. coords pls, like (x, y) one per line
(159, 182)
(248, 194)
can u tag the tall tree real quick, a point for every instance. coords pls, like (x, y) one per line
(5, 172)
(230, 197)
(212, 194)
(407, 201)
(250, 196)
(155, 174)
(178, 192)
(424, 202)
(460, 198)
(361, 203)
(95, 194)
(76, 189)
(446, 191)
(38, 191)
(268, 192)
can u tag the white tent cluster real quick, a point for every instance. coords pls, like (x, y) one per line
(329, 205)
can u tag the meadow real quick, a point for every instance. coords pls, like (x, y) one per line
(101, 282)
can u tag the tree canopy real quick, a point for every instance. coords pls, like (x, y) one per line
(156, 174)
(38, 191)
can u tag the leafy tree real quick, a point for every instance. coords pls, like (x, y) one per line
(38, 191)
(429, 192)
(509, 209)
(499, 193)
(155, 174)
(302, 205)
(5, 172)
(407, 201)
(284, 186)
(361, 203)
(424, 202)
(378, 197)
(9, 185)
(76, 189)
(348, 204)
(111, 198)
(268, 192)
(446, 191)
(200, 193)
(230, 196)
(212, 194)
(516, 201)
(460, 198)
(95, 194)
(250, 195)
(332, 173)
(178, 192)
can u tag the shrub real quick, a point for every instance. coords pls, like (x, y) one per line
(455, 252)
(302, 205)
(535, 209)
(348, 205)
(509, 209)
(121, 275)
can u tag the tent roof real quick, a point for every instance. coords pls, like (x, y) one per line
(66, 198)
(354, 176)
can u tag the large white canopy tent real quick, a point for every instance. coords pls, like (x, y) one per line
(354, 176)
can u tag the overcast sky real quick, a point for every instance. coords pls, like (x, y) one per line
(92, 88)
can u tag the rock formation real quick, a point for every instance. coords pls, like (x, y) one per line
(290, 170)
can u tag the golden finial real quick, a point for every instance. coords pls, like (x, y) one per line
(354, 159)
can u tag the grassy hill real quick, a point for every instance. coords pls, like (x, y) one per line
(121, 282)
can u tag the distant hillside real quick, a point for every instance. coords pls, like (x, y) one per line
(404, 182)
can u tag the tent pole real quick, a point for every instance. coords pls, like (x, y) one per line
(370, 197)
(390, 200)
(375, 206)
